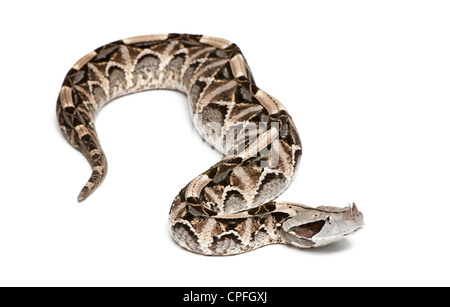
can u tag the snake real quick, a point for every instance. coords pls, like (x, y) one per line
(230, 208)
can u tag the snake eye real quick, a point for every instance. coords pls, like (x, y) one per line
(328, 219)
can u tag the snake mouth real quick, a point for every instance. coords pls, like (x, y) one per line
(328, 231)
(354, 231)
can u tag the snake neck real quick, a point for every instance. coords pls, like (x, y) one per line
(228, 234)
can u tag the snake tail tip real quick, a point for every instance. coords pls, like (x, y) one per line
(83, 195)
(96, 179)
(81, 198)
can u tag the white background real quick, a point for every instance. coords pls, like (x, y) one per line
(366, 82)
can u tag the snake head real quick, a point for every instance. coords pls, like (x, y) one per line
(315, 227)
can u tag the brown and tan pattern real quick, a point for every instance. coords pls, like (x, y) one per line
(228, 209)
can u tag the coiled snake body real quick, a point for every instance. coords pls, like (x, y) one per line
(228, 209)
